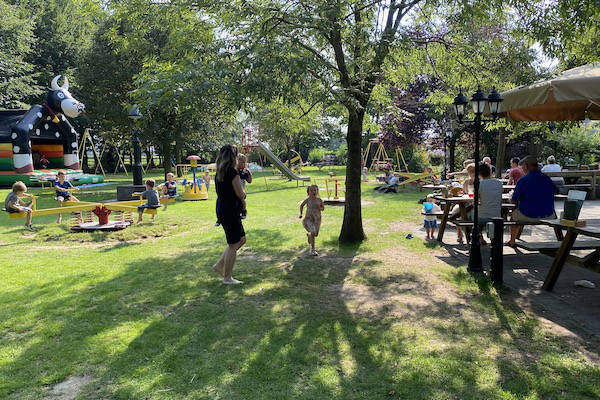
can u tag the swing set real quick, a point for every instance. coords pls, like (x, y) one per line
(381, 161)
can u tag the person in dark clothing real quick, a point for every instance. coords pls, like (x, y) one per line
(231, 199)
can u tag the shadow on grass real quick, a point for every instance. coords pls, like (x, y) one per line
(283, 334)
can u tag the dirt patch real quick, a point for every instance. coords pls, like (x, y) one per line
(69, 389)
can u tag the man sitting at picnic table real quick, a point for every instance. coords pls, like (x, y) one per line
(552, 166)
(516, 172)
(533, 195)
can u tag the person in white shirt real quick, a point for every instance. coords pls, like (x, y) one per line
(490, 197)
(552, 166)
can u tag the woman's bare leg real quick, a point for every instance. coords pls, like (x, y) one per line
(229, 261)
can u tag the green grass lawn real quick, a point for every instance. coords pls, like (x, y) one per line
(140, 314)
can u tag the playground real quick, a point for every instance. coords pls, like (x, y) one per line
(138, 313)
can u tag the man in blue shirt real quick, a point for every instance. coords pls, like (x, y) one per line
(533, 195)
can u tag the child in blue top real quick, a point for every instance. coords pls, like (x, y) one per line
(152, 199)
(430, 208)
(63, 195)
(169, 190)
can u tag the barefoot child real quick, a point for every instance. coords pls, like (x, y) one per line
(168, 189)
(63, 195)
(245, 176)
(312, 220)
(14, 204)
(152, 199)
(430, 221)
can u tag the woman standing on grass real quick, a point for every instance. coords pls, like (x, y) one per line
(231, 200)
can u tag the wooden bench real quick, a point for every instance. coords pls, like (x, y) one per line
(551, 248)
(577, 186)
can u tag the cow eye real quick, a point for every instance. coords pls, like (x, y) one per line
(60, 95)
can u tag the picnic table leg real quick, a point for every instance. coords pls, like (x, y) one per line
(464, 216)
(447, 208)
(560, 259)
(559, 233)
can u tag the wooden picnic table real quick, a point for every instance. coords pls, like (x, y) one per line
(565, 248)
(465, 201)
(580, 173)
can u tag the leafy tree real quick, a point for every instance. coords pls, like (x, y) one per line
(63, 30)
(341, 45)
(17, 77)
(579, 141)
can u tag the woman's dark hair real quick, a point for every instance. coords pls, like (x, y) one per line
(515, 160)
(226, 159)
(484, 170)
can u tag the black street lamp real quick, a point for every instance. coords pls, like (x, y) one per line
(135, 114)
(479, 100)
(447, 138)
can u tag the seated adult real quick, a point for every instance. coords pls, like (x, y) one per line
(516, 172)
(392, 183)
(462, 172)
(488, 161)
(490, 195)
(533, 195)
(552, 166)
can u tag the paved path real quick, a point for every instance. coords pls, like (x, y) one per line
(574, 308)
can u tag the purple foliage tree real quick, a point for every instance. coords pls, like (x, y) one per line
(408, 119)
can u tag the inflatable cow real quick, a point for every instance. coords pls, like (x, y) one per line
(52, 115)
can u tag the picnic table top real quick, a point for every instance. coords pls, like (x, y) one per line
(591, 231)
(467, 199)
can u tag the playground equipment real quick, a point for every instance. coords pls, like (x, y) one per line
(381, 160)
(250, 141)
(295, 163)
(335, 190)
(122, 211)
(43, 130)
(194, 192)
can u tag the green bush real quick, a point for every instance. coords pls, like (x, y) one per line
(342, 154)
(316, 155)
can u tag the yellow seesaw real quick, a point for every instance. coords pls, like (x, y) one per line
(79, 206)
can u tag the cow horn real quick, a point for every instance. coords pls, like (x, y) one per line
(65, 85)
(54, 84)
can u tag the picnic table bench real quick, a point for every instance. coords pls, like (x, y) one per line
(591, 173)
(562, 250)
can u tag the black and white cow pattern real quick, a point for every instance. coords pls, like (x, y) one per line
(52, 115)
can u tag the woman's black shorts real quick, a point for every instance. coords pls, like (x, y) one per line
(234, 230)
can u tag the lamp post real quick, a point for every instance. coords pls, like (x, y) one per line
(134, 114)
(447, 137)
(479, 100)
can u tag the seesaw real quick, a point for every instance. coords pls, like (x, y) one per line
(123, 210)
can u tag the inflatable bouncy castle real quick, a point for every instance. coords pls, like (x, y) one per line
(35, 143)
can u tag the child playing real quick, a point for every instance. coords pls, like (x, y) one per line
(63, 195)
(312, 220)
(207, 179)
(430, 221)
(14, 204)
(152, 199)
(169, 190)
(245, 176)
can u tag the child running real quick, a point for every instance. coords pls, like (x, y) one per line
(14, 204)
(245, 176)
(152, 199)
(430, 221)
(312, 220)
(169, 190)
(63, 195)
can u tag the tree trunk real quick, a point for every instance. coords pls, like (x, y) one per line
(178, 153)
(352, 228)
(166, 152)
(501, 155)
